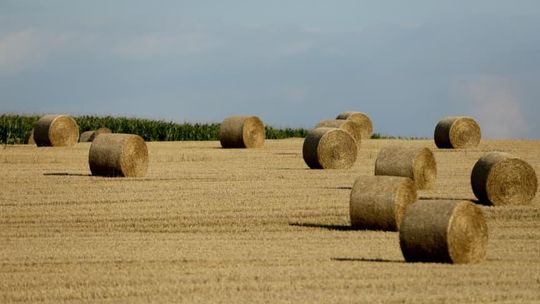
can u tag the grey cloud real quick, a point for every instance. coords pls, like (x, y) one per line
(496, 103)
(406, 74)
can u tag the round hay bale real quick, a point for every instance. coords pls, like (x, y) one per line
(29, 138)
(123, 155)
(329, 148)
(499, 178)
(457, 132)
(443, 231)
(379, 202)
(242, 132)
(88, 136)
(361, 118)
(351, 126)
(56, 131)
(416, 163)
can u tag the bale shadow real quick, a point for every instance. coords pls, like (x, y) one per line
(475, 201)
(339, 188)
(366, 260)
(436, 198)
(290, 169)
(65, 174)
(482, 203)
(325, 226)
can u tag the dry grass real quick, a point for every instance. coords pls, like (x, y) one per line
(242, 132)
(215, 225)
(362, 119)
(89, 136)
(329, 148)
(29, 138)
(118, 155)
(499, 178)
(417, 163)
(56, 131)
(379, 202)
(445, 231)
(354, 128)
(457, 132)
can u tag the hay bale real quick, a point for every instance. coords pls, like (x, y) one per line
(443, 231)
(499, 178)
(329, 148)
(351, 126)
(29, 138)
(88, 136)
(118, 155)
(242, 132)
(361, 118)
(416, 163)
(379, 202)
(458, 132)
(56, 131)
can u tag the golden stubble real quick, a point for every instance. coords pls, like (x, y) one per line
(233, 225)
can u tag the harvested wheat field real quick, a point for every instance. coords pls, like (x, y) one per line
(208, 224)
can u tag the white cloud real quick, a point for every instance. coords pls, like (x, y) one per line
(155, 45)
(25, 48)
(311, 29)
(496, 104)
(293, 48)
(18, 49)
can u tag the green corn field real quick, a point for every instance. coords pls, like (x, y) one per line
(14, 128)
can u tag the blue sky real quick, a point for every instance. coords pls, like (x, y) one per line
(293, 63)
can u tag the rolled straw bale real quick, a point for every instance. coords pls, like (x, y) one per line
(88, 136)
(379, 202)
(459, 132)
(499, 178)
(443, 231)
(351, 126)
(118, 155)
(242, 132)
(29, 138)
(416, 163)
(329, 148)
(365, 122)
(56, 131)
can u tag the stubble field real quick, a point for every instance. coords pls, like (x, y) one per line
(214, 225)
